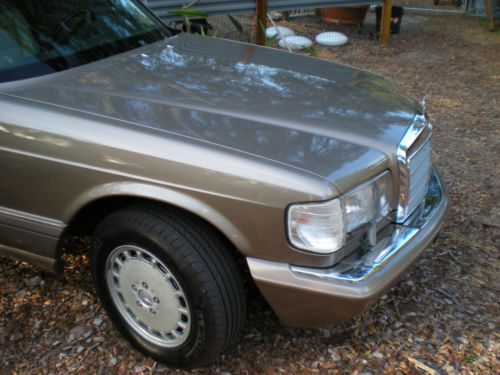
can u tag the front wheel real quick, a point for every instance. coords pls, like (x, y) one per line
(168, 283)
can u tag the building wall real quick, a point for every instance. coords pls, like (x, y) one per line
(478, 8)
(162, 7)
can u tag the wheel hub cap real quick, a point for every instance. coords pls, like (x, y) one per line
(148, 296)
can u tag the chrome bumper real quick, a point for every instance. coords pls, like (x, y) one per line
(360, 266)
(335, 294)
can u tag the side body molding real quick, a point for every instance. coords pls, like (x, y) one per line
(30, 237)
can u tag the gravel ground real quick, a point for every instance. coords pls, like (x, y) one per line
(441, 318)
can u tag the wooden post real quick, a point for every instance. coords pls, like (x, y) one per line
(385, 22)
(261, 9)
(489, 14)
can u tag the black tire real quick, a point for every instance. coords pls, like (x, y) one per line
(202, 263)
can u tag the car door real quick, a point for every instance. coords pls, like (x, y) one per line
(28, 183)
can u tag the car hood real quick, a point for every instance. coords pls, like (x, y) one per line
(324, 118)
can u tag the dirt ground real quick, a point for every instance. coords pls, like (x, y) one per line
(443, 316)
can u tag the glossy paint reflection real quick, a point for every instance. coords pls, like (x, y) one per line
(327, 119)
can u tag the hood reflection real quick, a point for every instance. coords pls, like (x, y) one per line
(304, 112)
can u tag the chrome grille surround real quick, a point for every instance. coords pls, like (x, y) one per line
(415, 165)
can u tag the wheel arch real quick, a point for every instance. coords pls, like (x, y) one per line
(85, 212)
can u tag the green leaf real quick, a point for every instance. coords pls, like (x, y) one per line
(237, 25)
(271, 42)
(469, 358)
(274, 37)
(187, 23)
(189, 12)
(262, 27)
(311, 51)
(239, 28)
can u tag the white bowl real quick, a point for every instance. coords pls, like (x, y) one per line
(331, 39)
(279, 32)
(295, 42)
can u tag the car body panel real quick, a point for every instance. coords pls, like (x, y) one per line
(231, 132)
(326, 298)
(214, 126)
(307, 113)
(30, 237)
(43, 157)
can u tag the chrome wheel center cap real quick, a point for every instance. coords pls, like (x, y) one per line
(145, 298)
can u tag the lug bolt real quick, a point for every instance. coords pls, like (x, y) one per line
(139, 304)
(134, 287)
(156, 300)
(144, 285)
(152, 311)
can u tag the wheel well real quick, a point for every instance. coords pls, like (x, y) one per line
(88, 217)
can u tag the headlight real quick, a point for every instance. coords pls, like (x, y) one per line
(368, 203)
(317, 227)
(323, 227)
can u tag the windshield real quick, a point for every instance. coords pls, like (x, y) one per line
(39, 37)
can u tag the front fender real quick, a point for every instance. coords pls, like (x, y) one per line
(162, 195)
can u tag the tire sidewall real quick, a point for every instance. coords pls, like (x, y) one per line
(196, 344)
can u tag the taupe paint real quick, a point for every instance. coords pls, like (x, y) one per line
(231, 132)
(329, 301)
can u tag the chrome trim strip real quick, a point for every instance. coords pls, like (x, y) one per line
(30, 222)
(361, 265)
(420, 126)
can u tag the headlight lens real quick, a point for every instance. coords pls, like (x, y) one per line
(369, 202)
(323, 227)
(317, 227)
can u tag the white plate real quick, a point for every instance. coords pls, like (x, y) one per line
(280, 31)
(296, 42)
(331, 39)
